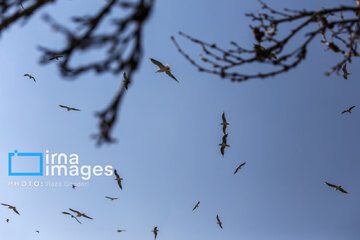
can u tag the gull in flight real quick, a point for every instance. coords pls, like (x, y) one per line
(72, 216)
(155, 231)
(118, 179)
(348, 110)
(37, 231)
(336, 187)
(239, 167)
(163, 68)
(224, 144)
(196, 206)
(218, 221)
(224, 123)
(119, 230)
(345, 72)
(111, 198)
(69, 108)
(56, 57)
(126, 81)
(73, 186)
(11, 207)
(79, 214)
(30, 76)
(7, 220)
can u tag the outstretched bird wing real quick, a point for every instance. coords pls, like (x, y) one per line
(351, 108)
(116, 174)
(64, 106)
(196, 205)
(157, 63)
(172, 76)
(76, 219)
(222, 150)
(330, 185)
(223, 117)
(6, 205)
(342, 190)
(84, 215)
(16, 211)
(74, 109)
(77, 212)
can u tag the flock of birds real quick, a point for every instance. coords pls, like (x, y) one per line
(75, 214)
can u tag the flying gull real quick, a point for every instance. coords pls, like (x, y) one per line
(69, 108)
(111, 198)
(336, 187)
(155, 231)
(30, 76)
(218, 221)
(163, 68)
(79, 214)
(196, 206)
(239, 167)
(348, 110)
(224, 144)
(224, 123)
(11, 207)
(118, 179)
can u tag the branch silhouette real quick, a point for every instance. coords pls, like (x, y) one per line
(338, 28)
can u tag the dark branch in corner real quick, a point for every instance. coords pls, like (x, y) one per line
(123, 48)
(339, 29)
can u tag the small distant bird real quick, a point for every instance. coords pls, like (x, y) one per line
(155, 231)
(218, 221)
(126, 81)
(37, 231)
(224, 123)
(73, 186)
(79, 214)
(30, 76)
(345, 72)
(72, 216)
(111, 198)
(336, 187)
(7, 220)
(11, 207)
(118, 179)
(56, 57)
(348, 110)
(69, 108)
(119, 230)
(196, 205)
(239, 167)
(224, 144)
(163, 68)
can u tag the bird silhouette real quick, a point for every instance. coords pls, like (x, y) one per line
(196, 205)
(37, 231)
(56, 57)
(11, 207)
(118, 179)
(7, 220)
(336, 187)
(224, 144)
(79, 214)
(163, 68)
(348, 110)
(73, 186)
(239, 167)
(30, 76)
(345, 72)
(69, 108)
(224, 123)
(218, 221)
(119, 230)
(72, 216)
(155, 231)
(111, 198)
(126, 81)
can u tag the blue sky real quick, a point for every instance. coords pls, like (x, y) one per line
(288, 129)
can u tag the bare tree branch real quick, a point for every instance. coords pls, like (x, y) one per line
(338, 28)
